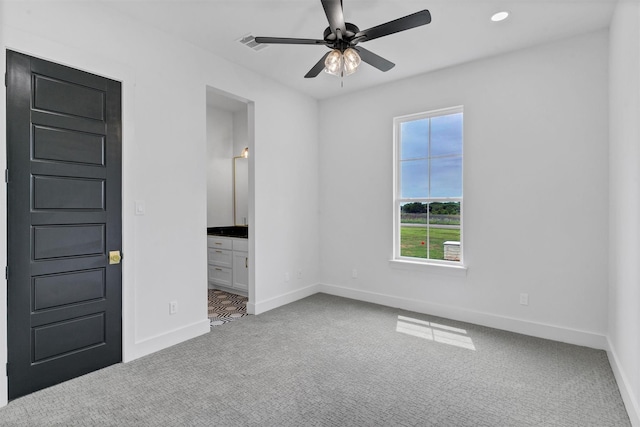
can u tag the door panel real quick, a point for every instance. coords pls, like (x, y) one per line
(63, 97)
(57, 241)
(57, 290)
(64, 216)
(57, 339)
(67, 193)
(67, 146)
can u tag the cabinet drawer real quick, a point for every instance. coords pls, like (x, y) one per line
(219, 257)
(219, 243)
(220, 275)
(241, 245)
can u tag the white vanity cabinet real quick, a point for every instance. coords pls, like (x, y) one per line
(241, 264)
(228, 263)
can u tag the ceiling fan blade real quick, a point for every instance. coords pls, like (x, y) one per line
(333, 10)
(410, 21)
(285, 40)
(317, 68)
(374, 60)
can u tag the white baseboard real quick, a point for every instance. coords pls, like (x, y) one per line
(168, 339)
(628, 397)
(540, 330)
(251, 308)
(289, 297)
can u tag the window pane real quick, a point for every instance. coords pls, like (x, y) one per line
(444, 213)
(444, 230)
(444, 242)
(414, 178)
(413, 230)
(430, 231)
(414, 137)
(446, 177)
(446, 135)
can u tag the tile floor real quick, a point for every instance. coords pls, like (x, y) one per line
(225, 307)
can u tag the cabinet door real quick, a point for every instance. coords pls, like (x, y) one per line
(241, 270)
(220, 276)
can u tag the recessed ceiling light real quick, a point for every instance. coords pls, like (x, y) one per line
(500, 16)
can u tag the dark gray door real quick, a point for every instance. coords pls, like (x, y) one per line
(64, 217)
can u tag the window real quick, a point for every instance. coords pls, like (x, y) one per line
(428, 190)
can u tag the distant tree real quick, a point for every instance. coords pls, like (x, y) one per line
(446, 208)
(435, 208)
(414, 207)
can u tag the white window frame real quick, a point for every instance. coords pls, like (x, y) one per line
(398, 201)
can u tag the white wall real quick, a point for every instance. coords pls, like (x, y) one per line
(624, 167)
(220, 152)
(240, 131)
(286, 225)
(164, 164)
(227, 136)
(535, 182)
(240, 141)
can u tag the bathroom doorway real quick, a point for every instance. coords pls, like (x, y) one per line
(230, 189)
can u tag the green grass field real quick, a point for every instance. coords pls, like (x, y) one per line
(413, 241)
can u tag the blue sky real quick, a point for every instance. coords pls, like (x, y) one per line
(443, 167)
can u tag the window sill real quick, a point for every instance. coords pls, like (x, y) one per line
(445, 269)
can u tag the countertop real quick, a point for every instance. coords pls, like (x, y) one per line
(238, 231)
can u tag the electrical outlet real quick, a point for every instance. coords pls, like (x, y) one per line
(173, 307)
(286, 276)
(524, 299)
(354, 273)
(299, 274)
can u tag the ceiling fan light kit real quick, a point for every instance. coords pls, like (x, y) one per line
(351, 61)
(342, 63)
(342, 37)
(334, 62)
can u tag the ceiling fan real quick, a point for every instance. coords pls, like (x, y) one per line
(342, 38)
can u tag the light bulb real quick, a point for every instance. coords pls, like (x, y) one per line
(351, 61)
(333, 63)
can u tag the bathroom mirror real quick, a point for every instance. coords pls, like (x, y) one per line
(241, 190)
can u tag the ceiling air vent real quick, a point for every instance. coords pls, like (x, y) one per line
(250, 41)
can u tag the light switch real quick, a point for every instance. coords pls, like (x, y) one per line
(140, 207)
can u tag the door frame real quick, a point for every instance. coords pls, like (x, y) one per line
(114, 70)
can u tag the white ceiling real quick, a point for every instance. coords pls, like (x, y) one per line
(460, 31)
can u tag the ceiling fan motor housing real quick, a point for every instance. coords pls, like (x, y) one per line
(330, 37)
